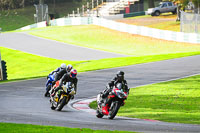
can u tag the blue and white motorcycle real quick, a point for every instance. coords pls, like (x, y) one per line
(49, 83)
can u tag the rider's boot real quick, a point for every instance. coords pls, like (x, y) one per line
(53, 92)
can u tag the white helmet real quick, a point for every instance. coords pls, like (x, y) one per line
(63, 66)
(69, 67)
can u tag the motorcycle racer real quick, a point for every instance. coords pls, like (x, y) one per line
(59, 72)
(67, 77)
(62, 66)
(113, 83)
(51, 78)
(62, 71)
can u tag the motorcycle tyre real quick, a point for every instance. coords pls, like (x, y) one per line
(52, 107)
(114, 110)
(98, 114)
(47, 91)
(61, 104)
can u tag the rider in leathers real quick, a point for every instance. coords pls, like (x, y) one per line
(61, 72)
(118, 79)
(67, 77)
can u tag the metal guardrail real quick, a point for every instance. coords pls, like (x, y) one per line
(134, 14)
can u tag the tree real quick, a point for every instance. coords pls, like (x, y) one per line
(196, 4)
(151, 3)
(41, 2)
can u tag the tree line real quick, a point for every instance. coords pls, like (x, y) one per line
(184, 3)
(14, 4)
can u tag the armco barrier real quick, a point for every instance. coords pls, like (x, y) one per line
(150, 32)
(134, 14)
(71, 21)
(132, 29)
(37, 25)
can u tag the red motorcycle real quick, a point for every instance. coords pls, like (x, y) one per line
(117, 97)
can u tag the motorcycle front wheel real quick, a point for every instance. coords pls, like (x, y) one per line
(98, 114)
(61, 104)
(47, 91)
(113, 109)
(52, 107)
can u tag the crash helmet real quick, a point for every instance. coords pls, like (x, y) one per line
(73, 73)
(120, 75)
(63, 66)
(69, 68)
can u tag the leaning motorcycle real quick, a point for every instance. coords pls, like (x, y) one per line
(49, 82)
(117, 97)
(66, 92)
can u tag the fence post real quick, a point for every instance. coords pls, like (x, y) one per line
(83, 10)
(78, 12)
(196, 23)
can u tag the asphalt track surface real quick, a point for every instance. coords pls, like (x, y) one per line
(23, 102)
(53, 49)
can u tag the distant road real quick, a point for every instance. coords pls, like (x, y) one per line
(53, 49)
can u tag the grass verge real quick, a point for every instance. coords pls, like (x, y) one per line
(166, 21)
(17, 18)
(174, 101)
(28, 128)
(22, 65)
(97, 37)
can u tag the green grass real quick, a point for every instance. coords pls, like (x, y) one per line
(17, 18)
(22, 65)
(110, 40)
(28, 128)
(165, 21)
(169, 25)
(174, 101)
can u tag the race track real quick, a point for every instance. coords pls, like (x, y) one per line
(23, 102)
(49, 48)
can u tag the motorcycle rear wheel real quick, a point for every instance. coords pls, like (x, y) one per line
(114, 109)
(61, 104)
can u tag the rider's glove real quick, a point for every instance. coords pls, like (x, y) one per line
(53, 82)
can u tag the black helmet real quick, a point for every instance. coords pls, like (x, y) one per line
(120, 75)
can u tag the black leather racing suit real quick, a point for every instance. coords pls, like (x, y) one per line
(114, 82)
(60, 74)
(66, 78)
(110, 86)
